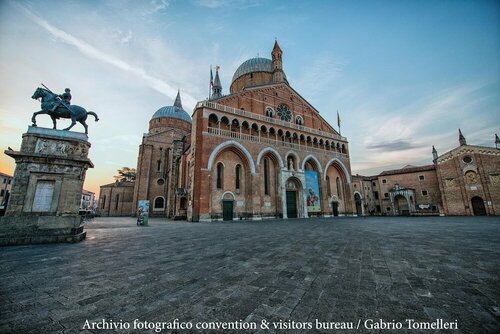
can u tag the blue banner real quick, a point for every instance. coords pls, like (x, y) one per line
(312, 191)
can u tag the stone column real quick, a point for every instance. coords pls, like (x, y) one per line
(47, 189)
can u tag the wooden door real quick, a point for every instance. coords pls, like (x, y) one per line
(291, 204)
(227, 210)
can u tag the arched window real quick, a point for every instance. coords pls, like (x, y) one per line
(269, 112)
(158, 165)
(220, 174)
(238, 173)
(103, 201)
(117, 200)
(299, 120)
(328, 187)
(266, 176)
(339, 191)
(159, 203)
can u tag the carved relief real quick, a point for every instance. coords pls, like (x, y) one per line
(471, 177)
(45, 146)
(495, 179)
(449, 182)
(291, 185)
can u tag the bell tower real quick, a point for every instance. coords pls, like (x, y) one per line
(278, 75)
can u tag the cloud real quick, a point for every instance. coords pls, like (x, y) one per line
(394, 145)
(125, 39)
(243, 4)
(319, 74)
(157, 6)
(92, 52)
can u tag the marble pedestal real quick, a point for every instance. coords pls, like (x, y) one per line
(47, 188)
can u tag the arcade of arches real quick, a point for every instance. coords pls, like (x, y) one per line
(267, 187)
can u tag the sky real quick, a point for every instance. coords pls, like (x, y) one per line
(404, 75)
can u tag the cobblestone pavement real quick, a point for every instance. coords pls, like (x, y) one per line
(347, 269)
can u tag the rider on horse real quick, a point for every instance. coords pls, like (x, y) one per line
(65, 99)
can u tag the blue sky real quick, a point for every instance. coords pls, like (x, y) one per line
(405, 75)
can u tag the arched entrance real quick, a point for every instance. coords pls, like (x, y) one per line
(357, 200)
(401, 205)
(293, 187)
(478, 206)
(227, 206)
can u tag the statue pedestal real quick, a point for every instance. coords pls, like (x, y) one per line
(47, 188)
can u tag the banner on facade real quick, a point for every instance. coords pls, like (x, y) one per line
(143, 212)
(312, 191)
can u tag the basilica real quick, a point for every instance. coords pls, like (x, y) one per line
(263, 151)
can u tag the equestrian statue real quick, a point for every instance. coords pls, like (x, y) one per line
(58, 106)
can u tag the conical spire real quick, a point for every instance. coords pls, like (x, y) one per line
(217, 88)
(497, 140)
(434, 153)
(461, 138)
(276, 47)
(178, 102)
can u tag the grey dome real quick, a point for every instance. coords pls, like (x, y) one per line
(172, 112)
(254, 65)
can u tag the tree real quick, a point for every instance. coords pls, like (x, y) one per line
(125, 174)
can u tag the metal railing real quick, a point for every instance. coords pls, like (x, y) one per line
(221, 107)
(272, 141)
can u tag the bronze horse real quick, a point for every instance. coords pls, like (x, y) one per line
(56, 109)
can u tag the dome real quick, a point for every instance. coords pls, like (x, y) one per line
(172, 112)
(254, 65)
(175, 111)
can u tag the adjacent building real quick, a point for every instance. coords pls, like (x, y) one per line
(115, 199)
(464, 181)
(5, 189)
(87, 203)
(469, 179)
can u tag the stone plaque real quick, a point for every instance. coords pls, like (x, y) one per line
(43, 196)
(240, 203)
(267, 204)
(51, 147)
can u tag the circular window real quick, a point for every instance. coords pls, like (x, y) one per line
(467, 159)
(160, 182)
(284, 113)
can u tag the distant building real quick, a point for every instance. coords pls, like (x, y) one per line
(469, 179)
(464, 181)
(5, 189)
(115, 199)
(87, 203)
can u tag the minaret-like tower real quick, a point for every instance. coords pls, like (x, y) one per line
(434, 154)
(278, 75)
(178, 102)
(217, 87)
(461, 138)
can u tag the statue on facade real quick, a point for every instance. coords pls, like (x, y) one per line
(59, 106)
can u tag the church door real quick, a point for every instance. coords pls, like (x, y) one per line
(478, 206)
(291, 204)
(227, 210)
(357, 200)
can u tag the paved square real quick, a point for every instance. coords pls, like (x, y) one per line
(347, 269)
